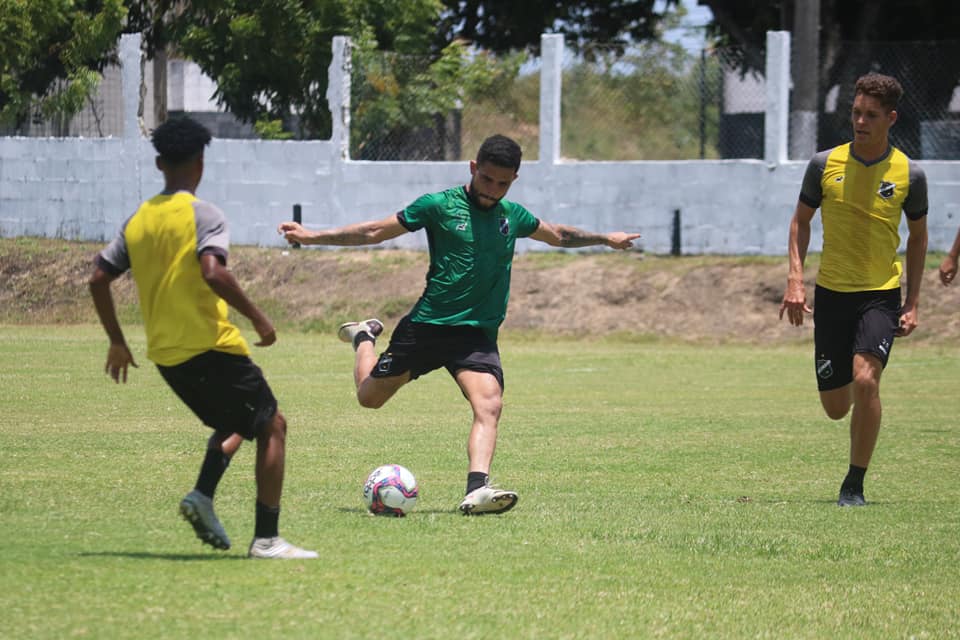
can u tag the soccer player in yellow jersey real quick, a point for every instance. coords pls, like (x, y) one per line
(861, 189)
(176, 246)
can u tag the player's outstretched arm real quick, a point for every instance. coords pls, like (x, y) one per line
(119, 357)
(372, 232)
(916, 257)
(561, 235)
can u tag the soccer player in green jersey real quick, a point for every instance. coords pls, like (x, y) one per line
(471, 232)
(176, 246)
(861, 188)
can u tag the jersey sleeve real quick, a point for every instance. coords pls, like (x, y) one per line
(421, 212)
(915, 204)
(115, 259)
(212, 234)
(811, 191)
(526, 222)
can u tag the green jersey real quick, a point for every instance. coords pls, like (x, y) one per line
(471, 253)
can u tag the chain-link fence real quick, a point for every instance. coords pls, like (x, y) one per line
(651, 101)
(659, 101)
(101, 116)
(405, 107)
(928, 116)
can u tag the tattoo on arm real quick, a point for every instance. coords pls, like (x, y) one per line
(571, 237)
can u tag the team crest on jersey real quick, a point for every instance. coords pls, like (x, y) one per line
(886, 189)
(504, 226)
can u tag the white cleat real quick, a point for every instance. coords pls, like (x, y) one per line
(349, 331)
(488, 499)
(197, 509)
(278, 549)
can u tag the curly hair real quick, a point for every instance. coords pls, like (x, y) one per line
(180, 139)
(885, 89)
(501, 151)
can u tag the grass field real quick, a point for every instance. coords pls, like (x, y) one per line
(666, 491)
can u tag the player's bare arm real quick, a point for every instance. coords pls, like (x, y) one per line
(119, 357)
(948, 268)
(795, 296)
(371, 232)
(560, 235)
(222, 282)
(916, 256)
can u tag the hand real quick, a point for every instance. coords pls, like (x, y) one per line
(293, 232)
(908, 321)
(948, 270)
(118, 358)
(264, 329)
(621, 240)
(795, 302)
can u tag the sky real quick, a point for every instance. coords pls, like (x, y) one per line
(692, 32)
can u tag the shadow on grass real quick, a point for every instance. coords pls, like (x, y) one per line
(174, 557)
(364, 512)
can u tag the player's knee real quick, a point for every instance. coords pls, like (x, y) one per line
(277, 427)
(370, 401)
(836, 412)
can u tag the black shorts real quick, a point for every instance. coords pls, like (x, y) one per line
(419, 348)
(849, 323)
(227, 392)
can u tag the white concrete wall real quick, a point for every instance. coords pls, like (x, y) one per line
(84, 189)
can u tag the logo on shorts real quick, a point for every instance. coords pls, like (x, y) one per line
(824, 368)
(886, 189)
(462, 226)
(839, 178)
(383, 365)
(504, 227)
(884, 346)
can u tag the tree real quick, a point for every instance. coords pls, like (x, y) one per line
(855, 38)
(51, 53)
(270, 59)
(504, 25)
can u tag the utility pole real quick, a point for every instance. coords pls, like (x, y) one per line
(805, 71)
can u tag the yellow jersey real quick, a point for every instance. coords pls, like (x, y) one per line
(161, 244)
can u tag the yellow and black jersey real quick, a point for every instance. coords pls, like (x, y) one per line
(161, 244)
(860, 205)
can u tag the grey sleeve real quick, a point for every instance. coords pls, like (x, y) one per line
(811, 191)
(114, 259)
(212, 234)
(915, 204)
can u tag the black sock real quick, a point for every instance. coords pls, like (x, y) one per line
(363, 336)
(267, 522)
(854, 480)
(215, 463)
(475, 480)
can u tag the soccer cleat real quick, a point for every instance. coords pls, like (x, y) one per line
(197, 509)
(349, 331)
(851, 498)
(278, 549)
(487, 499)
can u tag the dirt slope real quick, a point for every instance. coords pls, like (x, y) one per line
(702, 299)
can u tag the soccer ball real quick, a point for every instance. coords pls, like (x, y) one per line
(390, 490)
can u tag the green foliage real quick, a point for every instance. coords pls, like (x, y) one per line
(394, 95)
(271, 130)
(51, 53)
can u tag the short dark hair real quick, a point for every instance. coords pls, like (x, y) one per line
(180, 139)
(885, 89)
(501, 151)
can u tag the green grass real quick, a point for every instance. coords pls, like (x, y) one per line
(667, 491)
